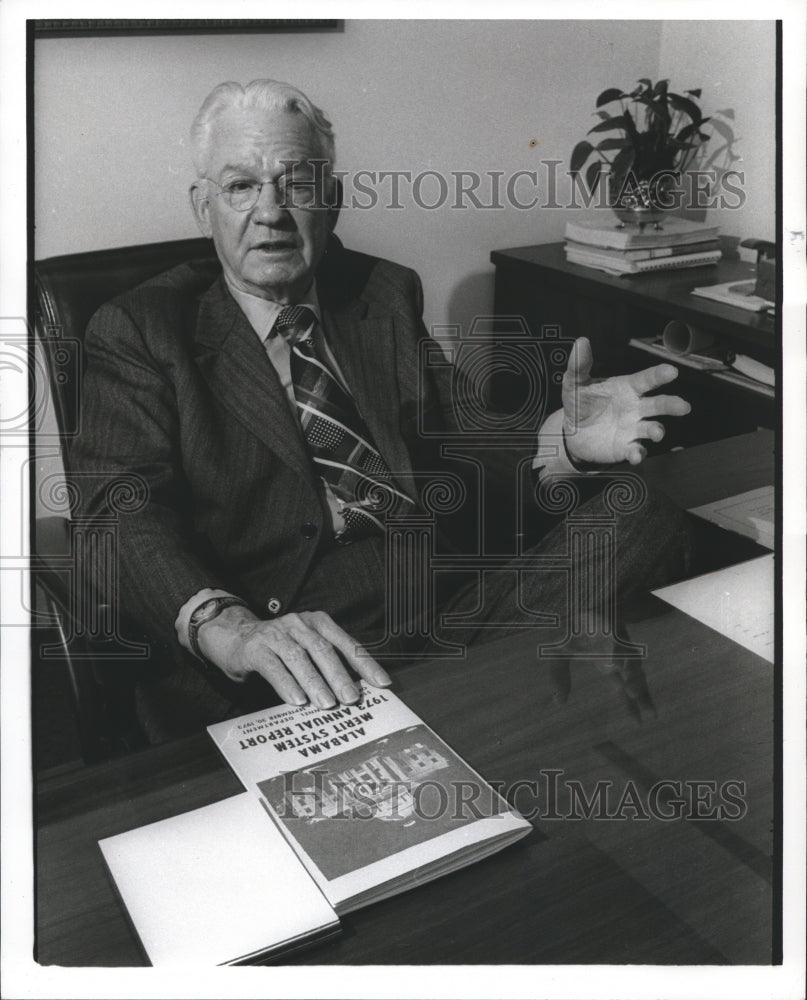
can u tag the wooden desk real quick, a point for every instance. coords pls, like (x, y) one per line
(575, 891)
(715, 470)
(540, 285)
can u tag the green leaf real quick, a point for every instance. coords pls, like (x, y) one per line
(580, 154)
(593, 174)
(623, 161)
(630, 127)
(687, 131)
(688, 107)
(602, 115)
(673, 143)
(660, 87)
(656, 108)
(722, 130)
(612, 94)
(618, 121)
(607, 144)
(694, 93)
(646, 82)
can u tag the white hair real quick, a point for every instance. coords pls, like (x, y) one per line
(262, 95)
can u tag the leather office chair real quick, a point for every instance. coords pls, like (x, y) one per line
(68, 290)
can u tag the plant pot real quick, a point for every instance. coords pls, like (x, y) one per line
(641, 202)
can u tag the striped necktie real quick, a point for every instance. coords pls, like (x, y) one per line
(338, 439)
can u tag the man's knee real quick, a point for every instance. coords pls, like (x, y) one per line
(654, 540)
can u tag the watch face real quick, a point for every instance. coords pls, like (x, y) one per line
(204, 612)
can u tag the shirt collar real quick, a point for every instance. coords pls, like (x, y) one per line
(262, 313)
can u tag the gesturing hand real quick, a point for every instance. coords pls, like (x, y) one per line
(605, 420)
(298, 654)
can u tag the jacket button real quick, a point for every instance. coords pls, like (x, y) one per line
(273, 605)
(308, 530)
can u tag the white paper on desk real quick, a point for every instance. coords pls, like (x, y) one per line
(215, 886)
(750, 514)
(736, 601)
(735, 293)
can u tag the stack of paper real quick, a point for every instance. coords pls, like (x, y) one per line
(736, 601)
(750, 514)
(215, 887)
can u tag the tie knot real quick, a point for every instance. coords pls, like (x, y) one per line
(292, 321)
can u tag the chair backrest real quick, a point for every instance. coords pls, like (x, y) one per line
(69, 289)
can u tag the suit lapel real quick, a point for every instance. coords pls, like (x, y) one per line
(233, 361)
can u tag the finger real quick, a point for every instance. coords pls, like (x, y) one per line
(635, 453)
(616, 674)
(637, 690)
(326, 660)
(635, 687)
(578, 371)
(651, 378)
(273, 672)
(298, 663)
(631, 706)
(650, 430)
(664, 406)
(358, 658)
(560, 682)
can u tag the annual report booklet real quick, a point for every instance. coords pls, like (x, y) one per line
(370, 800)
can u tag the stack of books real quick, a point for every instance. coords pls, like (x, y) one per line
(676, 243)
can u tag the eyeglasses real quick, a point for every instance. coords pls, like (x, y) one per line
(242, 194)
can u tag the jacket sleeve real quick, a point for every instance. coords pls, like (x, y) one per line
(127, 481)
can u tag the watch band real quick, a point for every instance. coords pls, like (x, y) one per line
(206, 612)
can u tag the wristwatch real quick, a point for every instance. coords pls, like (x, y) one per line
(206, 612)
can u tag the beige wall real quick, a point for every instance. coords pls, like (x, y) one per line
(113, 165)
(112, 118)
(735, 64)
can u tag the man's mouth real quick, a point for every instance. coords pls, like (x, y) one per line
(275, 246)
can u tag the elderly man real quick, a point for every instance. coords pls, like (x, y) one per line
(271, 409)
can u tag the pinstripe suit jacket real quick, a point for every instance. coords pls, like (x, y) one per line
(178, 389)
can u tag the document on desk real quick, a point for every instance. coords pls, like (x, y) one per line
(353, 788)
(736, 601)
(215, 886)
(750, 514)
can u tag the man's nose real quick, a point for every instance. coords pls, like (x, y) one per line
(269, 206)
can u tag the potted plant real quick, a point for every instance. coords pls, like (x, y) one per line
(658, 136)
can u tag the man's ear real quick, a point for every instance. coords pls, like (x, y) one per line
(335, 203)
(200, 206)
